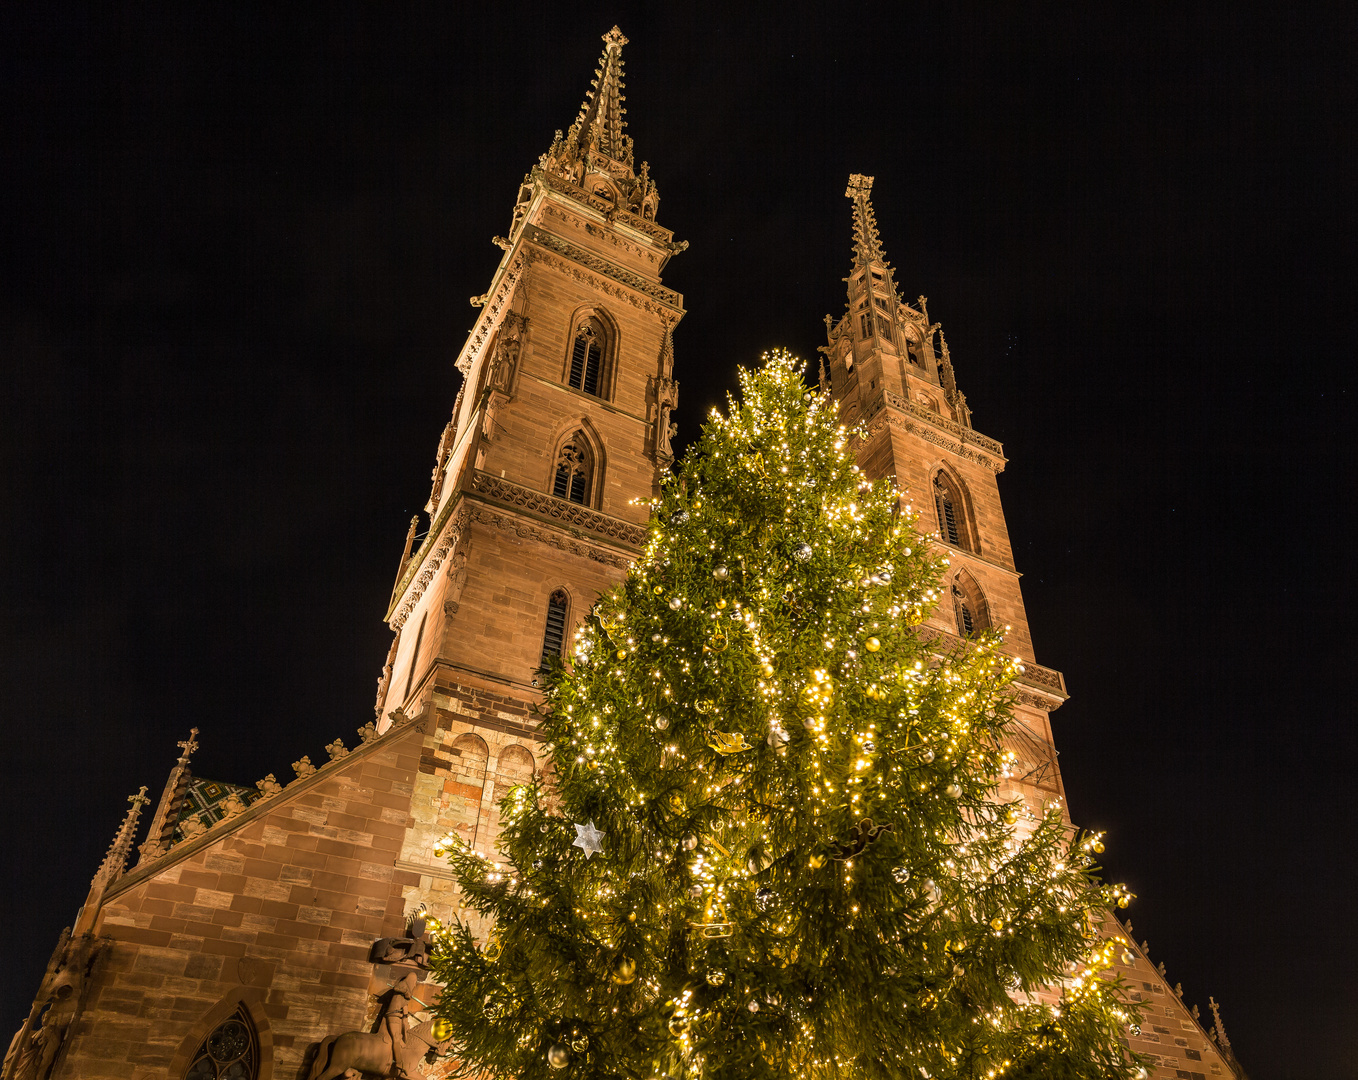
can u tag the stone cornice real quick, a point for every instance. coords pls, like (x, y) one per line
(223, 828)
(939, 430)
(666, 299)
(496, 301)
(575, 519)
(425, 563)
(564, 187)
(1041, 687)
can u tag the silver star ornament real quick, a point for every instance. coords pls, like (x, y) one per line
(588, 839)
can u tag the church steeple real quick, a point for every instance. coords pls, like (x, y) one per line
(886, 348)
(599, 125)
(596, 153)
(867, 244)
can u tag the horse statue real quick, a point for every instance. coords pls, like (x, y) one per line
(392, 1051)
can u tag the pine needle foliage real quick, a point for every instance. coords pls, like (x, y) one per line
(805, 869)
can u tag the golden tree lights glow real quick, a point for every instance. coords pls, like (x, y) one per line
(804, 867)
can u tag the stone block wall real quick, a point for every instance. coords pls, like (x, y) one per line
(275, 910)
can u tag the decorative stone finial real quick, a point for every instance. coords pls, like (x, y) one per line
(866, 241)
(188, 746)
(1218, 1028)
(232, 805)
(303, 768)
(116, 860)
(368, 732)
(337, 750)
(269, 786)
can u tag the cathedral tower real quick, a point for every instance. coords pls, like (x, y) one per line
(890, 370)
(561, 427)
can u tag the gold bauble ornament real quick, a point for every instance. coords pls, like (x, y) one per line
(872, 644)
(442, 1030)
(624, 970)
(997, 924)
(622, 654)
(721, 604)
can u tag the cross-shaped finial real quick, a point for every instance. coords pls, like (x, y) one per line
(614, 39)
(139, 799)
(188, 745)
(859, 186)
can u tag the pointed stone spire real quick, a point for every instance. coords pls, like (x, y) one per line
(162, 824)
(867, 244)
(115, 862)
(599, 126)
(1218, 1028)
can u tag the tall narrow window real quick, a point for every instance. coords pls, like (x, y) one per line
(554, 635)
(415, 656)
(230, 1052)
(865, 325)
(969, 605)
(587, 353)
(951, 528)
(572, 477)
(966, 621)
(884, 327)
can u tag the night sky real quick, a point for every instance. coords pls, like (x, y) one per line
(237, 251)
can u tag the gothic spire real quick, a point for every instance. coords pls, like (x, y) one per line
(162, 824)
(115, 862)
(867, 244)
(599, 126)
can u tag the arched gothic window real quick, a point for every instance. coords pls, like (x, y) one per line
(587, 357)
(574, 472)
(554, 634)
(969, 606)
(952, 527)
(230, 1052)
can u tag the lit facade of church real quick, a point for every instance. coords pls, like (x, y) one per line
(260, 929)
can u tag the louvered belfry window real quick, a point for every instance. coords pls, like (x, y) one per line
(949, 509)
(571, 479)
(554, 635)
(587, 355)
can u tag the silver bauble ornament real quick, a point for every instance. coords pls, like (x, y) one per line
(690, 841)
(661, 723)
(675, 603)
(655, 637)
(901, 874)
(753, 1006)
(927, 756)
(802, 552)
(680, 516)
(716, 978)
(558, 1057)
(953, 791)
(763, 898)
(721, 573)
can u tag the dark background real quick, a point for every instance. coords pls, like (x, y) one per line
(237, 250)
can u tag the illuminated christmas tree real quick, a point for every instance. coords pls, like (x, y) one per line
(772, 845)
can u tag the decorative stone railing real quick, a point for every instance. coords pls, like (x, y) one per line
(571, 515)
(965, 434)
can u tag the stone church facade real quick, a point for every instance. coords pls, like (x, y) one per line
(255, 923)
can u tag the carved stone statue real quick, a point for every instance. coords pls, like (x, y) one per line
(411, 949)
(393, 1050)
(35, 1046)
